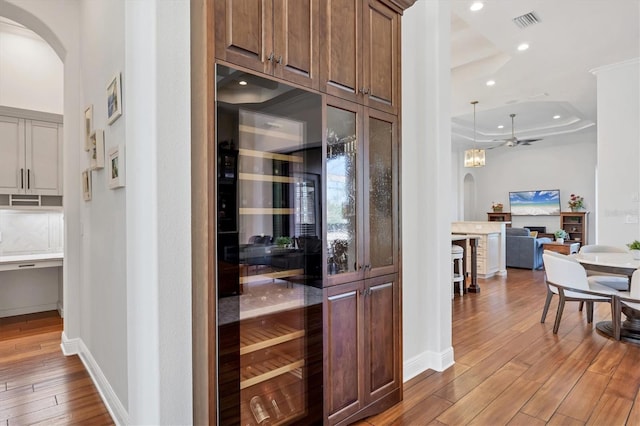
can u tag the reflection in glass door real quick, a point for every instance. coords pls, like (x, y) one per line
(269, 252)
(342, 192)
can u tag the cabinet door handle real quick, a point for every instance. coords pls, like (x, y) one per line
(280, 59)
(28, 178)
(21, 178)
(270, 57)
(364, 91)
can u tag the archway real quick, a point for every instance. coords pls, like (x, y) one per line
(469, 197)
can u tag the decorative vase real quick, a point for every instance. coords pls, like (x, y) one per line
(575, 209)
(497, 210)
(560, 240)
(635, 254)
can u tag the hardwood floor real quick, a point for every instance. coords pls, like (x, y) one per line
(509, 369)
(512, 370)
(38, 384)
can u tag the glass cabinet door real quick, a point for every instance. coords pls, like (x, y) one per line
(343, 196)
(269, 251)
(382, 195)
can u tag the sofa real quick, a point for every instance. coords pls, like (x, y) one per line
(524, 250)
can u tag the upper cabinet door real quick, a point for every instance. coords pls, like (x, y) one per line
(360, 52)
(12, 158)
(295, 41)
(381, 56)
(274, 37)
(244, 33)
(43, 158)
(341, 52)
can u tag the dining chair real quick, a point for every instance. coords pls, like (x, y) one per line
(568, 279)
(616, 281)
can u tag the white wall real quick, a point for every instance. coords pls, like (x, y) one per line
(426, 188)
(157, 106)
(31, 73)
(103, 303)
(618, 153)
(566, 162)
(127, 273)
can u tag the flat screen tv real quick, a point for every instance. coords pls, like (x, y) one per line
(535, 203)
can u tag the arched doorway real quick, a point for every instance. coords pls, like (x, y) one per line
(469, 197)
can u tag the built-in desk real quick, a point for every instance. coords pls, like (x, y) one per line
(30, 283)
(30, 261)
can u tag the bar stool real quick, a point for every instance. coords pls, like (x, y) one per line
(457, 254)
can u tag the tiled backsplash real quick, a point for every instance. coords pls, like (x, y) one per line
(30, 232)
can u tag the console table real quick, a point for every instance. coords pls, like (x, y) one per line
(565, 248)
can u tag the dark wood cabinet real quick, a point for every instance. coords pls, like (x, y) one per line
(360, 52)
(275, 37)
(362, 338)
(499, 217)
(576, 224)
(343, 207)
(362, 192)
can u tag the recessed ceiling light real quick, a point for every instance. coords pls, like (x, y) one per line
(523, 47)
(242, 83)
(555, 117)
(491, 82)
(476, 6)
(501, 127)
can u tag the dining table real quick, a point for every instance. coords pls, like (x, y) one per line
(472, 253)
(621, 264)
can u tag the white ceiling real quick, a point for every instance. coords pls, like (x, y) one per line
(551, 78)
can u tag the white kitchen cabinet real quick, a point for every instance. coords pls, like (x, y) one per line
(31, 160)
(491, 246)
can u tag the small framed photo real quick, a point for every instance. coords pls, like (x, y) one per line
(115, 167)
(86, 185)
(88, 127)
(114, 99)
(97, 149)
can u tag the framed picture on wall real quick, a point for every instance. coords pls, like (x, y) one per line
(88, 127)
(114, 99)
(86, 185)
(115, 167)
(97, 149)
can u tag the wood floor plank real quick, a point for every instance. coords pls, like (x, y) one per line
(545, 402)
(38, 384)
(608, 358)
(634, 416)
(562, 420)
(426, 412)
(481, 396)
(502, 409)
(611, 411)
(584, 396)
(521, 419)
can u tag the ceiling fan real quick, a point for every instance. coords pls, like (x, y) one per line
(513, 141)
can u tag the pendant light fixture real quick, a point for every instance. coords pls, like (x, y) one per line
(474, 157)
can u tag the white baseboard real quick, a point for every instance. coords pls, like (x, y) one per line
(111, 401)
(27, 310)
(427, 360)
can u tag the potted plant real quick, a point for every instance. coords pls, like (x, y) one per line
(634, 248)
(561, 235)
(283, 241)
(576, 202)
(497, 207)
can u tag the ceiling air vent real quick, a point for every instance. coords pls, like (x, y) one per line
(526, 20)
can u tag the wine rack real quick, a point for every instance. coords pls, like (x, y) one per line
(272, 368)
